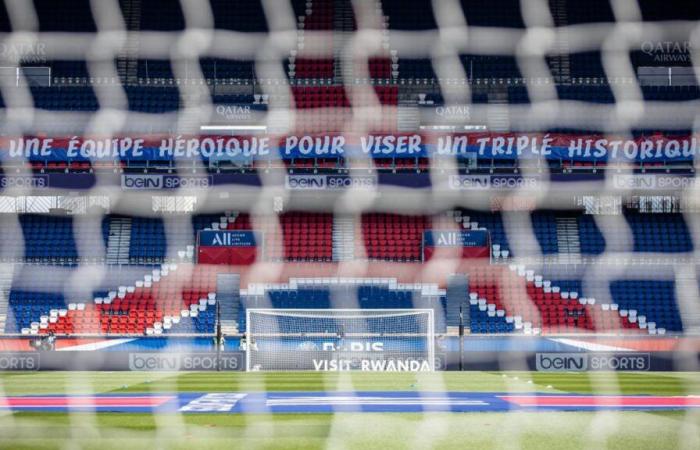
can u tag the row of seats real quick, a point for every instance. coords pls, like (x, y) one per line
(143, 99)
(504, 295)
(394, 237)
(250, 16)
(308, 236)
(169, 299)
(546, 309)
(603, 93)
(167, 99)
(322, 15)
(501, 300)
(303, 237)
(337, 96)
(654, 299)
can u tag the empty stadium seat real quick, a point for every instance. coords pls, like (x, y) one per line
(394, 237)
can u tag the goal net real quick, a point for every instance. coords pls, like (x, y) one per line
(340, 340)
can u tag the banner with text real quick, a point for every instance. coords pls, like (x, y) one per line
(555, 146)
(474, 243)
(227, 247)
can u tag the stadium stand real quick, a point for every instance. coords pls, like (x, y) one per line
(501, 300)
(165, 294)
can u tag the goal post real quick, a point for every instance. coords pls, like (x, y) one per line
(379, 340)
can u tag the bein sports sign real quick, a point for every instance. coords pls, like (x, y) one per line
(328, 182)
(158, 182)
(583, 362)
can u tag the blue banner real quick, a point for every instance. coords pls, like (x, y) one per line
(243, 149)
(363, 179)
(227, 238)
(464, 238)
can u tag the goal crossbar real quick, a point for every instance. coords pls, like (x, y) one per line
(302, 337)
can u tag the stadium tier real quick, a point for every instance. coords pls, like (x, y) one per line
(264, 193)
(313, 118)
(150, 289)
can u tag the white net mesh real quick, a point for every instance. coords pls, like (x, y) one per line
(316, 71)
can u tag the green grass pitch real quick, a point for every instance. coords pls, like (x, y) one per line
(515, 430)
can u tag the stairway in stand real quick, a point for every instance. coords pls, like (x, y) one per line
(119, 240)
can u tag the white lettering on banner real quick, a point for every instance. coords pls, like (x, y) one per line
(78, 147)
(482, 182)
(371, 365)
(651, 181)
(489, 146)
(514, 182)
(354, 346)
(157, 182)
(644, 150)
(176, 182)
(580, 362)
(320, 146)
(229, 239)
(449, 239)
(343, 182)
(515, 145)
(305, 182)
(391, 365)
(468, 182)
(650, 47)
(28, 147)
(634, 362)
(142, 182)
(391, 145)
(230, 146)
(333, 182)
(332, 365)
(561, 362)
(104, 148)
(11, 181)
(153, 361)
(27, 52)
(234, 112)
(213, 403)
(459, 112)
(452, 145)
(668, 51)
(19, 362)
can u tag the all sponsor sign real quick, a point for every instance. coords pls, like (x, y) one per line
(227, 238)
(227, 247)
(473, 243)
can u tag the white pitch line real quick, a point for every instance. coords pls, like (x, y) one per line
(385, 401)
